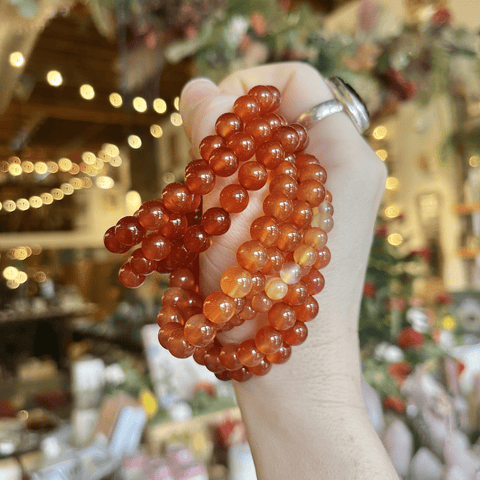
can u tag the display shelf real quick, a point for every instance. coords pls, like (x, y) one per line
(468, 252)
(123, 341)
(467, 208)
(51, 314)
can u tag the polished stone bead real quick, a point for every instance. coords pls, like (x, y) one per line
(312, 171)
(302, 136)
(223, 376)
(142, 265)
(248, 312)
(228, 357)
(284, 184)
(308, 310)
(268, 340)
(286, 168)
(112, 244)
(315, 237)
(275, 261)
(296, 335)
(234, 198)
(305, 256)
(302, 214)
(281, 316)
(276, 98)
(312, 192)
(247, 108)
(258, 283)
(175, 297)
(182, 278)
(273, 120)
(218, 307)
(242, 145)
(259, 130)
(314, 281)
(323, 220)
(264, 97)
(200, 180)
(304, 159)
(216, 221)
(209, 144)
(196, 239)
(223, 162)
(199, 331)
(323, 258)
(129, 278)
(328, 196)
(165, 332)
(241, 375)
(169, 315)
(228, 124)
(261, 369)
(176, 226)
(296, 295)
(152, 215)
(252, 175)
(281, 356)
(212, 360)
(265, 229)
(275, 288)
(155, 246)
(289, 237)
(326, 207)
(291, 273)
(128, 231)
(236, 321)
(261, 303)
(181, 256)
(178, 346)
(236, 282)
(278, 206)
(176, 198)
(270, 154)
(239, 304)
(248, 353)
(252, 255)
(288, 137)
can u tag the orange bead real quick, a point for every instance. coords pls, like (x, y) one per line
(323, 258)
(278, 206)
(152, 215)
(175, 227)
(258, 283)
(218, 307)
(223, 162)
(259, 130)
(248, 353)
(328, 196)
(305, 159)
(196, 239)
(312, 192)
(270, 154)
(296, 335)
(315, 237)
(224, 376)
(275, 288)
(308, 310)
(246, 107)
(181, 256)
(200, 180)
(276, 97)
(261, 369)
(289, 237)
(176, 198)
(286, 168)
(252, 175)
(236, 321)
(200, 352)
(282, 356)
(312, 171)
(297, 294)
(228, 357)
(175, 297)
(236, 282)
(212, 360)
(275, 260)
(228, 124)
(241, 375)
(178, 345)
(234, 198)
(323, 220)
(169, 315)
(199, 331)
(264, 97)
(209, 144)
(239, 304)
(248, 312)
(182, 278)
(261, 303)
(302, 214)
(314, 281)
(155, 246)
(265, 230)
(288, 137)
(216, 221)
(305, 256)
(281, 316)
(284, 184)
(274, 121)
(291, 273)
(242, 145)
(252, 256)
(165, 332)
(268, 340)
(302, 136)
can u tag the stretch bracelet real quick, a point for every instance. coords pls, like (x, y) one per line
(277, 272)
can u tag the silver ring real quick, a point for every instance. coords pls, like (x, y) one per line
(346, 100)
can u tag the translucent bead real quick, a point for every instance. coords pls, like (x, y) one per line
(284, 184)
(248, 312)
(315, 237)
(195, 201)
(228, 124)
(242, 145)
(326, 207)
(282, 356)
(152, 215)
(252, 175)
(200, 180)
(265, 229)
(264, 97)
(178, 345)
(155, 246)
(234, 198)
(129, 278)
(112, 244)
(259, 130)
(261, 369)
(290, 273)
(236, 321)
(209, 144)
(308, 310)
(275, 260)
(181, 256)
(176, 226)
(268, 340)
(312, 192)
(142, 265)
(252, 256)
(305, 256)
(302, 136)
(281, 316)
(275, 288)
(286, 168)
(314, 281)
(246, 107)
(216, 221)
(200, 352)
(302, 214)
(228, 357)
(305, 159)
(312, 171)
(270, 154)
(289, 237)
(296, 335)
(288, 137)
(224, 376)
(278, 206)
(182, 278)
(273, 120)
(248, 353)
(239, 305)
(258, 283)
(276, 98)
(323, 258)
(196, 239)
(261, 303)
(199, 331)
(165, 332)
(175, 297)
(218, 307)
(128, 231)
(323, 221)
(192, 165)
(297, 294)
(241, 375)
(169, 315)
(212, 360)
(223, 162)
(176, 198)
(236, 282)
(328, 196)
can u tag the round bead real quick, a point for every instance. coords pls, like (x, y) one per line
(200, 352)
(178, 345)
(302, 136)
(199, 331)
(305, 256)
(297, 294)
(274, 121)
(224, 376)
(129, 278)
(248, 353)
(268, 340)
(165, 332)
(312, 192)
(194, 164)
(259, 130)
(270, 154)
(182, 278)
(169, 315)
(176, 198)
(197, 239)
(287, 168)
(246, 107)
(261, 369)
(228, 357)
(181, 256)
(248, 312)
(314, 281)
(290, 273)
(328, 196)
(281, 356)
(265, 230)
(175, 297)
(312, 171)
(275, 288)
(156, 246)
(289, 237)
(241, 375)
(276, 97)
(223, 162)
(128, 231)
(308, 310)
(216, 221)
(234, 198)
(236, 321)
(140, 264)
(281, 316)
(212, 361)
(239, 304)
(275, 260)
(261, 303)
(176, 226)
(284, 184)
(252, 175)
(326, 207)
(195, 201)
(288, 138)
(305, 159)
(152, 215)
(252, 256)
(200, 180)
(315, 237)
(296, 335)
(242, 145)
(258, 283)
(302, 214)
(264, 97)
(209, 144)
(228, 124)
(278, 206)
(112, 244)
(218, 307)
(323, 258)
(323, 221)
(236, 282)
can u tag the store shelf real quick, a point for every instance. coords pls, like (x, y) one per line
(467, 208)
(468, 252)
(51, 314)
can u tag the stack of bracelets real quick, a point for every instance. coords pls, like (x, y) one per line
(277, 271)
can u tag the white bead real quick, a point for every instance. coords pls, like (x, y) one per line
(291, 273)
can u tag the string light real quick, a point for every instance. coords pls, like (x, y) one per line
(116, 99)
(41, 168)
(133, 201)
(382, 154)
(156, 131)
(392, 183)
(9, 273)
(54, 78)
(395, 239)
(392, 211)
(87, 92)
(159, 105)
(176, 119)
(380, 132)
(176, 103)
(104, 182)
(134, 141)
(16, 59)
(139, 104)
(474, 161)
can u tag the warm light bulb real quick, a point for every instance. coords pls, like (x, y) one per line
(112, 150)
(104, 182)
(116, 99)
(176, 119)
(14, 169)
(156, 131)
(66, 188)
(9, 273)
(23, 204)
(41, 168)
(133, 201)
(176, 103)
(139, 104)
(382, 154)
(392, 211)
(474, 161)
(35, 201)
(134, 141)
(380, 132)
(87, 92)
(28, 166)
(65, 164)
(395, 239)
(57, 194)
(159, 105)
(9, 206)
(391, 183)
(54, 78)
(16, 59)
(89, 158)
(47, 198)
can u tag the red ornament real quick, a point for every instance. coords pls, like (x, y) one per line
(408, 337)
(369, 290)
(441, 17)
(394, 403)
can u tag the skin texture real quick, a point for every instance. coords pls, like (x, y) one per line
(305, 419)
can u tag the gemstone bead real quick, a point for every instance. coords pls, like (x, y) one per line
(268, 340)
(156, 246)
(248, 312)
(209, 144)
(176, 197)
(296, 335)
(261, 369)
(140, 264)
(234, 198)
(259, 130)
(181, 256)
(315, 237)
(270, 154)
(275, 260)
(182, 278)
(129, 278)
(212, 361)
(297, 294)
(236, 321)
(305, 256)
(241, 375)
(323, 221)
(175, 297)
(273, 120)
(252, 256)
(228, 357)
(284, 184)
(291, 273)
(242, 145)
(152, 215)
(264, 97)
(200, 180)
(169, 315)
(302, 214)
(312, 192)
(199, 331)
(216, 221)
(328, 196)
(165, 332)
(308, 310)
(287, 168)
(288, 138)
(281, 356)
(128, 231)
(176, 226)
(252, 175)
(326, 207)
(323, 258)
(224, 376)
(305, 159)
(278, 206)
(275, 288)
(314, 281)
(112, 244)
(248, 353)
(228, 124)
(289, 237)
(265, 229)
(302, 136)
(281, 316)
(178, 346)
(312, 171)
(261, 303)
(218, 307)
(223, 162)
(258, 283)
(196, 239)
(236, 282)
(239, 304)
(246, 107)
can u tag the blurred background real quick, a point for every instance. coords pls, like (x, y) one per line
(90, 129)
